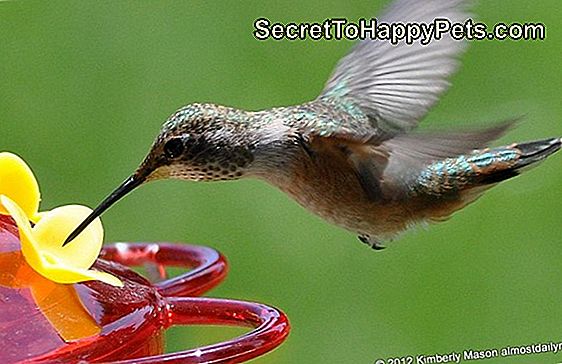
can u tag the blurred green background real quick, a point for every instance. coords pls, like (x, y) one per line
(85, 86)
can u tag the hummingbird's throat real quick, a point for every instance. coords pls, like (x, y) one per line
(208, 172)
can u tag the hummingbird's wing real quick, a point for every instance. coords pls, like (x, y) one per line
(395, 85)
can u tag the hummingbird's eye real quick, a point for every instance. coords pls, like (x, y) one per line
(174, 148)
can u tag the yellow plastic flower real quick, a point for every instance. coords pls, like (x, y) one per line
(41, 245)
(18, 183)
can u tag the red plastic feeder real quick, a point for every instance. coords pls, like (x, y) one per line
(45, 322)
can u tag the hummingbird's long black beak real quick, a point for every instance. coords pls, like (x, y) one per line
(127, 186)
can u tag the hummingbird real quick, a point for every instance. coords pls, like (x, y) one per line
(353, 155)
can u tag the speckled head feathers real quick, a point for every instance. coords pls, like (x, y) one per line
(200, 142)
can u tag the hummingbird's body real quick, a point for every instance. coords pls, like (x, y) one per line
(276, 146)
(351, 156)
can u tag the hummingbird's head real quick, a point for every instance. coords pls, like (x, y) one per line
(199, 142)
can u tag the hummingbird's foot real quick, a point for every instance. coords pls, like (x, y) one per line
(366, 239)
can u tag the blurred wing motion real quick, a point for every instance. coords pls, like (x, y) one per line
(395, 85)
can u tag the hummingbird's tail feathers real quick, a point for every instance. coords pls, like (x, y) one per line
(453, 183)
(536, 151)
(410, 154)
(529, 156)
(482, 168)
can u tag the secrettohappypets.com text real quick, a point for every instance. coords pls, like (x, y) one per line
(339, 28)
